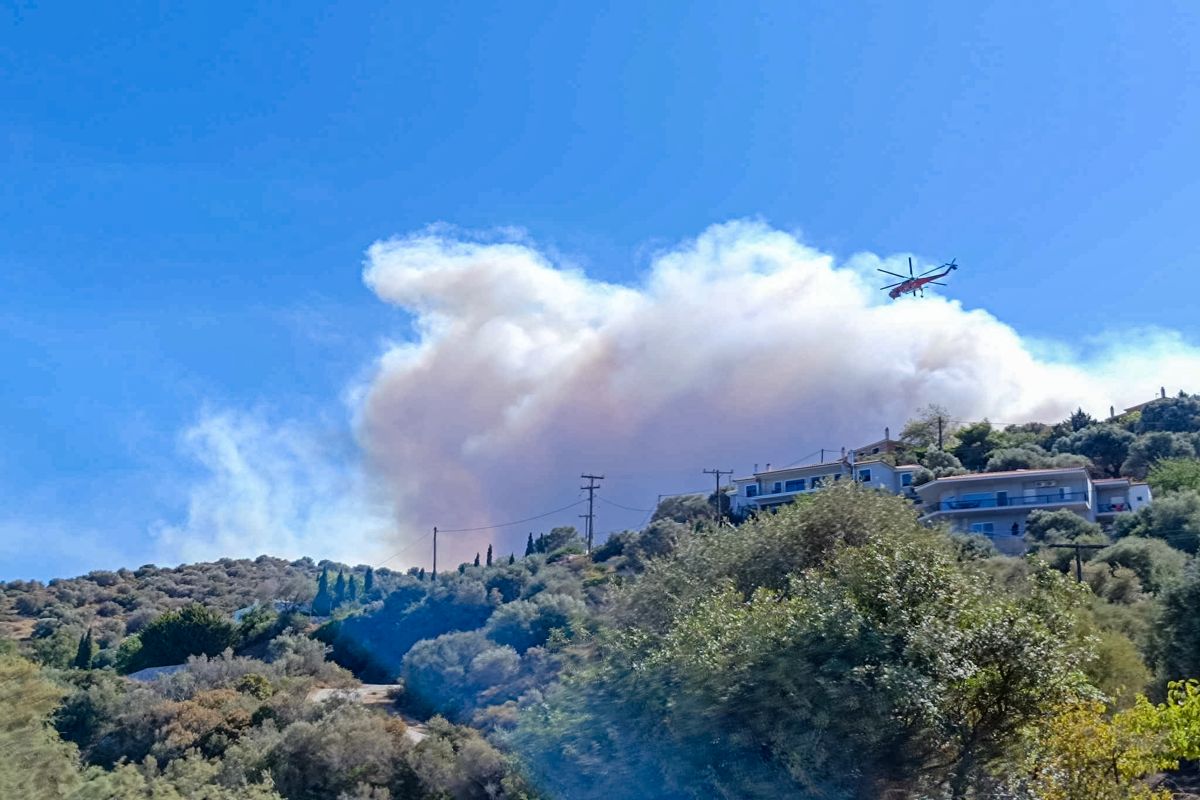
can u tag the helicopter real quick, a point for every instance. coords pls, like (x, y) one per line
(912, 284)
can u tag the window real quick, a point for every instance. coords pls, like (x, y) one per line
(864, 475)
(986, 528)
(837, 477)
(875, 451)
(776, 487)
(751, 490)
(816, 482)
(906, 479)
(794, 486)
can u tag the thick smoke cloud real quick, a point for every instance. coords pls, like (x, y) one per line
(743, 346)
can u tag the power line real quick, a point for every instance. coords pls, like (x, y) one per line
(514, 522)
(603, 499)
(403, 550)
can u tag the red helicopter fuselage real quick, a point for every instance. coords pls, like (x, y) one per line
(914, 285)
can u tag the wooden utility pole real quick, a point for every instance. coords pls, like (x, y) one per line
(435, 552)
(940, 423)
(717, 473)
(591, 515)
(1079, 548)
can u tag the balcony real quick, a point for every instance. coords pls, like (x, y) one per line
(1112, 508)
(967, 504)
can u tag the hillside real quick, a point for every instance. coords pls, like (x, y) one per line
(838, 648)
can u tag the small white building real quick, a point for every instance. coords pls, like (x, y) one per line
(996, 504)
(771, 488)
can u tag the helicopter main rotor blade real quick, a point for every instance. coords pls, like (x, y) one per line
(894, 274)
(935, 283)
(929, 271)
(890, 285)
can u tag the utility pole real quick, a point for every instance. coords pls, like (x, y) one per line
(939, 431)
(435, 552)
(591, 515)
(717, 473)
(1079, 548)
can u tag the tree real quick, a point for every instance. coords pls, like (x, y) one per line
(1059, 526)
(1177, 637)
(339, 589)
(322, 604)
(1105, 444)
(930, 424)
(1174, 518)
(1174, 475)
(1150, 448)
(369, 581)
(512, 558)
(843, 603)
(352, 589)
(1079, 420)
(421, 574)
(86, 651)
(489, 555)
(1083, 753)
(1180, 414)
(975, 445)
(1157, 564)
(476, 560)
(191, 630)
(530, 549)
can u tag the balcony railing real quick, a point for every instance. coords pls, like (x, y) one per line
(1112, 508)
(1015, 500)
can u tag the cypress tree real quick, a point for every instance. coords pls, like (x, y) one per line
(85, 651)
(462, 568)
(339, 589)
(489, 555)
(352, 589)
(512, 559)
(529, 545)
(369, 581)
(421, 574)
(322, 604)
(477, 559)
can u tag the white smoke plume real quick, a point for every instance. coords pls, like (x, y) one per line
(741, 346)
(283, 489)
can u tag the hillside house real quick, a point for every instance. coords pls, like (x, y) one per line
(771, 488)
(997, 504)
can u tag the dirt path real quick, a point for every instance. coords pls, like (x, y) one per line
(374, 694)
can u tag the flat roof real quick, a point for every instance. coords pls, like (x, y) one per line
(982, 476)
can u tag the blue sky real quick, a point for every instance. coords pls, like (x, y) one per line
(188, 193)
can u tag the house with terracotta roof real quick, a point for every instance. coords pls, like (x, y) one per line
(997, 504)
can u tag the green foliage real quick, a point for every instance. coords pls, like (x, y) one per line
(172, 637)
(339, 589)
(489, 556)
(1174, 475)
(1178, 414)
(1177, 637)
(724, 677)
(86, 651)
(1174, 518)
(1050, 527)
(1084, 753)
(1150, 448)
(322, 604)
(369, 582)
(922, 430)
(1157, 564)
(1107, 446)
(975, 445)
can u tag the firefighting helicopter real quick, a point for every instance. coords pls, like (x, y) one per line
(912, 284)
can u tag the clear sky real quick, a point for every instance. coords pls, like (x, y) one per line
(187, 192)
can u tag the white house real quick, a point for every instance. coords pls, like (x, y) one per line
(996, 504)
(774, 487)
